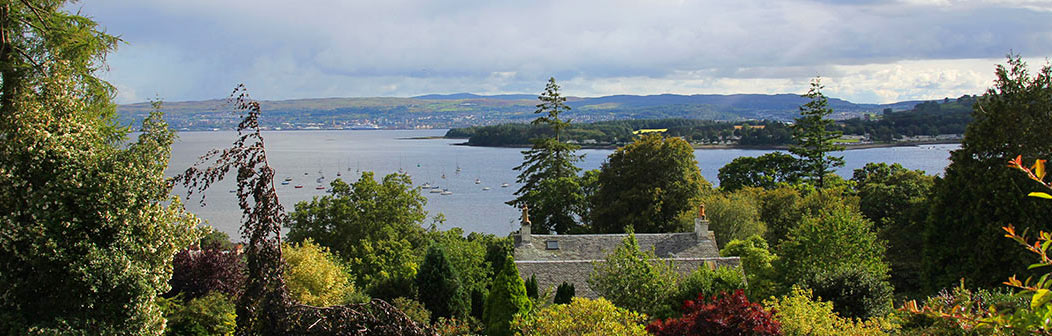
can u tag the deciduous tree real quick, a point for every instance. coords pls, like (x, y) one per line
(766, 171)
(651, 185)
(634, 280)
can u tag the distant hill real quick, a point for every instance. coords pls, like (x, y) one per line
(466, 109)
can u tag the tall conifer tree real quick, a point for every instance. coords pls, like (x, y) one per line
(814, 138)
(548, 173)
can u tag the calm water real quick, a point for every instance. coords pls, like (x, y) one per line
(293, 153)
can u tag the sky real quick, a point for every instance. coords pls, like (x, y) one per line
(868, 51)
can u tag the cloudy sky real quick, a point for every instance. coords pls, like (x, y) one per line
(869, 51)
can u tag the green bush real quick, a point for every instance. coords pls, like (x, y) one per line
(854, 292)
(413, 309)
(634, 280)
(706, 282)
(212, 314)
(758, 264)
(531, 287)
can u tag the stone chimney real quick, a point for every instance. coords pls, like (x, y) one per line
(525, 228)
(701, 223)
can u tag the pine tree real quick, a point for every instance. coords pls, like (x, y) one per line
(548, 174)
(439, 287)
(506, 298)
(814, 138)
(531, 287)
(564, 293)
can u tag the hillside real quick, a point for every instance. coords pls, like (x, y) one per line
(465, 109)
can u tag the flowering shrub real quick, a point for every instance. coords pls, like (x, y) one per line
(724, 314)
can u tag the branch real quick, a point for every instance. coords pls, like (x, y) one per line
(38, 15)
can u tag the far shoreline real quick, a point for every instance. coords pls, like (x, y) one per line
(762, 147)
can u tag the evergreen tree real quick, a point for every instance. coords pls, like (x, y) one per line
(564, 293)
(88, 227)
(651, 185)
(506, 298)
(977, 195)
(439, 287)
(531, 287)
(547, 173)
(814, 138)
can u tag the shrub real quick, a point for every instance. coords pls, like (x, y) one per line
(726, 314)
(195, 273)
(706, 282)
(439, 287)
(734, 215)
(212, 314)
(316, 277)
(506, 299)
(854, 292)
(634, 280)
(978, 305)
(581, 317)
(801, 315)
(564, 293)
(413, 309)
(456, 327)
(833, 239)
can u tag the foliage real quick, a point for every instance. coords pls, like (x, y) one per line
(215, 239)
(531, 287)
(758, 263)
(316, 277)
(582, 316)
(814, 138)
(89, 227)
(960, 311)
(265, 307)
(973, 200)
(896, 200)
(506, 299)
(456, 327)
(706, 282)
(766, 171)
(801, 315)
(547, 173)
(733, 215)
(651, 185)
(375, 226)
(781, 209)
(212, 314)
(564, 293)
(439, 287)
(839, 238)
(854, 292)
(196, 273)
(413, 309)
(634, 280)
(467, 255)
(726, 314)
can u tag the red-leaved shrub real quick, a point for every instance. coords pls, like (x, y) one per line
(195, 273)
(725, 314)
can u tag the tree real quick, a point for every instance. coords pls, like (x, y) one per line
(547, 173)
(88, 223)
(212, 314)
(836, 239)
(705, 281)
(651, 185)
(531, 287)
(765, 171)
(375, 226)
(855, 292)
(896, 199)
(974, 198)
(439, 287)
(634, 280)
(734, 215)
(564, 293)
(506, 298)
(814, 138)
(758, 264)
(316, 277)
(582, 317)
(724, 315)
